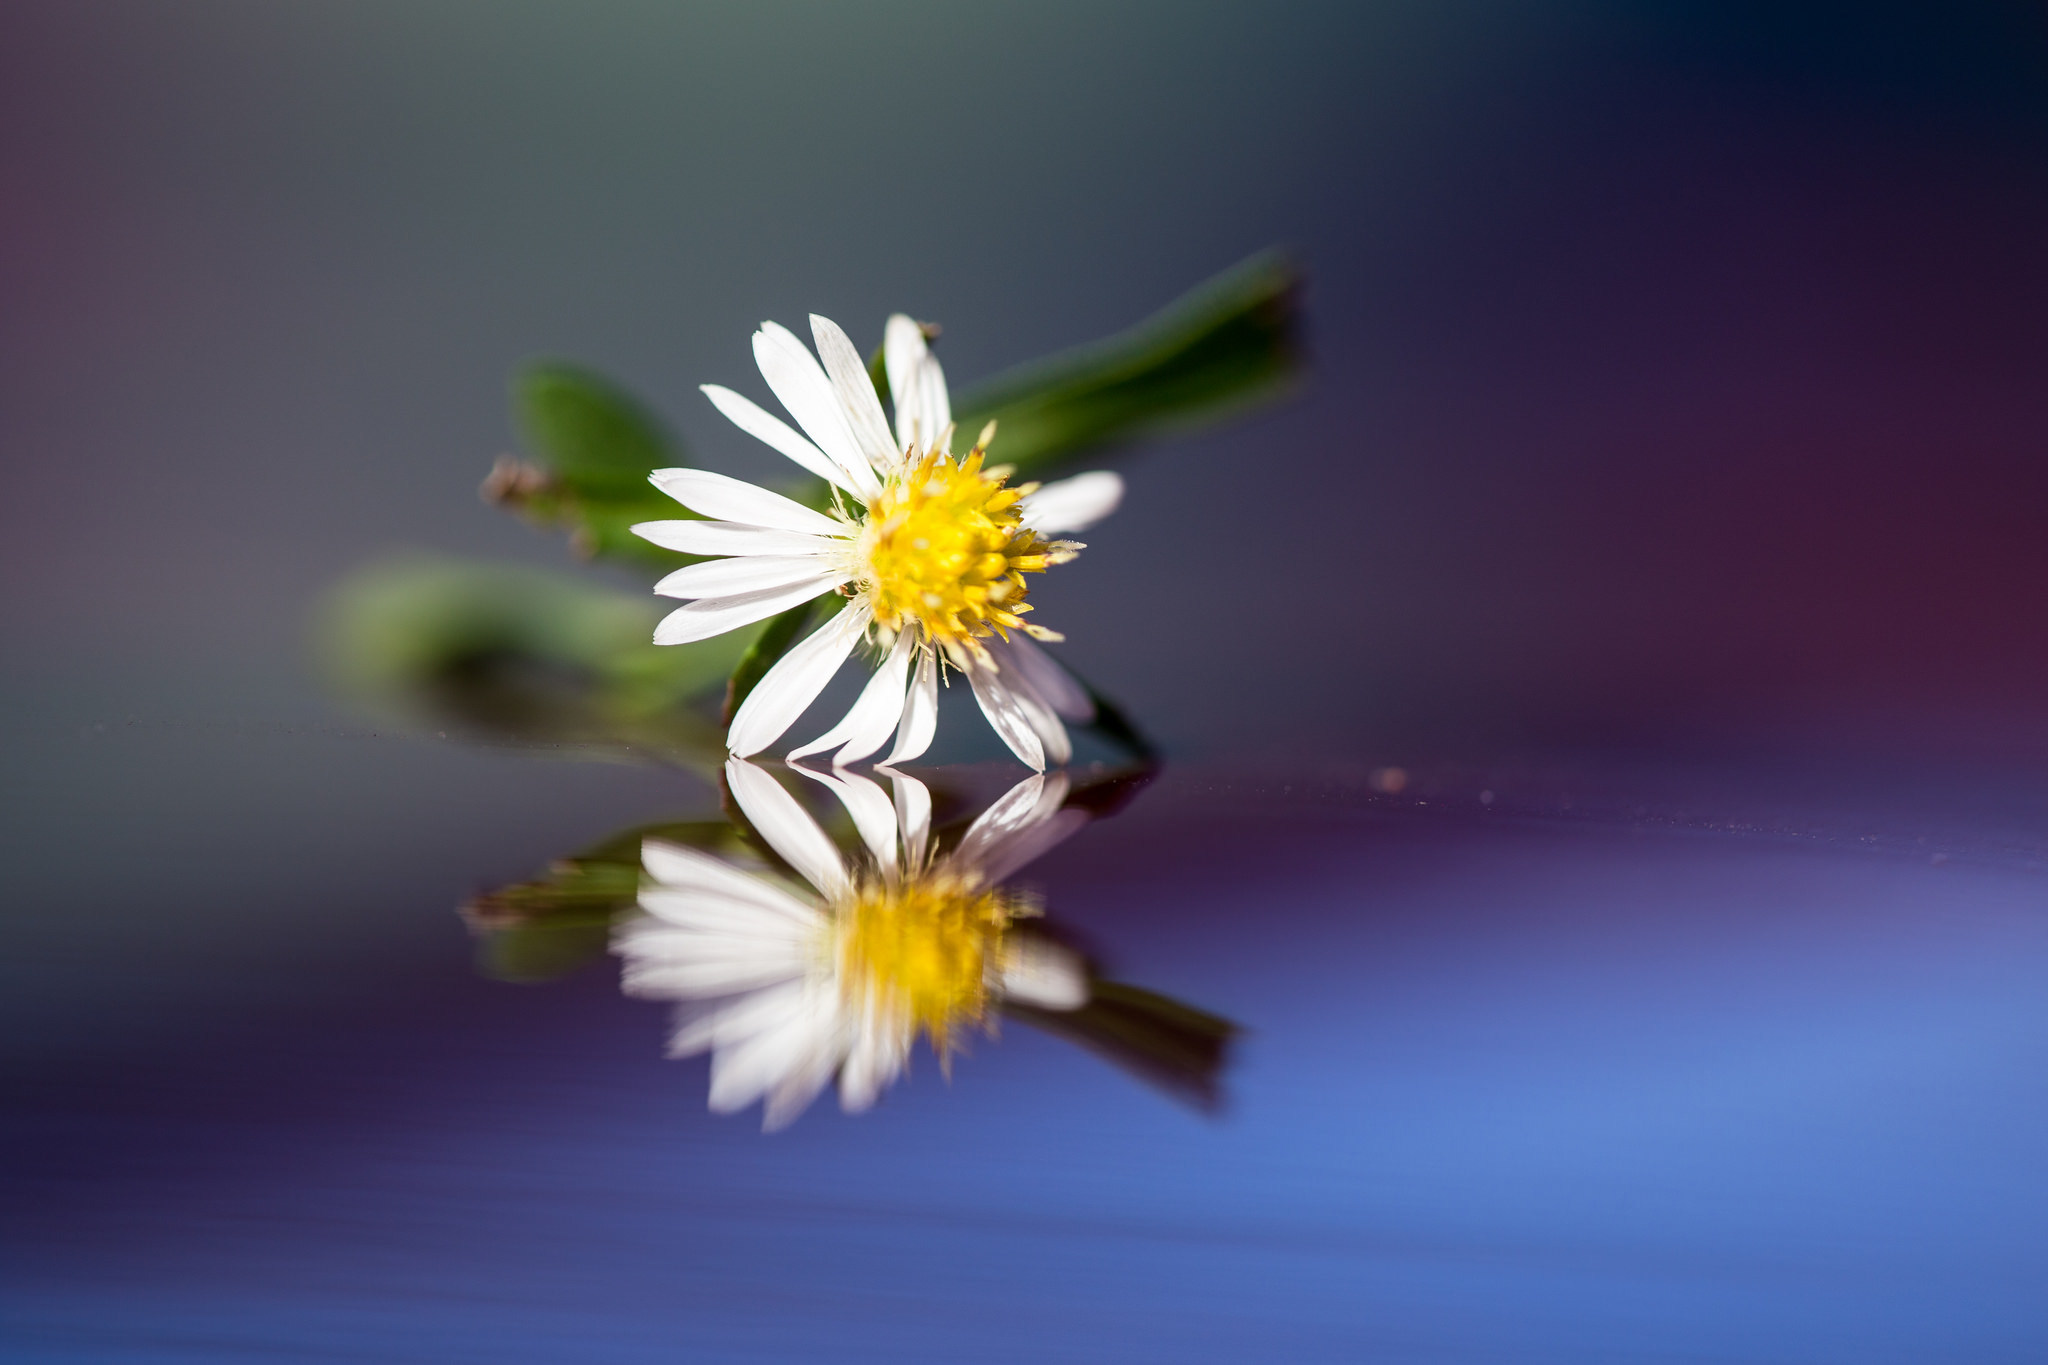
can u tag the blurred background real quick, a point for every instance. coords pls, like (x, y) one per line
(1676, 398)
(1674, 366)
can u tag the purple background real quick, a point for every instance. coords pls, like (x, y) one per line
(1669, 466)
(1675, 366)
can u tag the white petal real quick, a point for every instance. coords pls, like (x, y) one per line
(934, 408)
(913, 815)
(1029, 819)
(743, 1073)
(757, 902)
(871, 719)
(729, 538)
(763, 425)
(694, 917)
(800, 1083)
(1010, 856)
(657, 946)
(1073, 504)
(874, 815)
(787, 827)
(856, 391)
(675, 867)
(1043, 974)
(802, 386)
(999, 702)
(1030, 802)
(1044, 722)
(740, 574)
(1021, 656)
(794, 683)
(776, 917)
(716, 615)
(903, 351)
(920, 719)
(860, 1080)
(667, 975)
(728, 499)
(873, 1060)
(700, 1025)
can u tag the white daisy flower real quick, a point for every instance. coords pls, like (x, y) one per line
(931, 550)
(788, 985)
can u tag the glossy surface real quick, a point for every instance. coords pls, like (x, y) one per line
(1520, 1082)
(1668, 465)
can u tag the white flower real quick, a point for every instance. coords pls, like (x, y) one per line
(788, 985)
(930, 549)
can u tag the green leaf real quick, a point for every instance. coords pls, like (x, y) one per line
(1173, 1046)
(1227, 344)
(545, 928)
(1114, 725)
(1223, 346)
(594, 446)
(598, 440)
(539, 930)
(878, 373)
(532, 953)
(521, 655)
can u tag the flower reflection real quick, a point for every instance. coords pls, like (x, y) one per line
(788, 983)
(796, 959)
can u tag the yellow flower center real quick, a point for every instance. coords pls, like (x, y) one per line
(924, 950)
(945, 548)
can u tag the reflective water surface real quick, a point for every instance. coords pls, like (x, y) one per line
(1534, 1065)
(1640, 957)
(796, 963)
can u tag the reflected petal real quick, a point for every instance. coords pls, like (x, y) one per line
(874, 816)
(1044, 974)
(787, 827)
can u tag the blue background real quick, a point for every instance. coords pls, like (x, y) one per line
(1668, 466)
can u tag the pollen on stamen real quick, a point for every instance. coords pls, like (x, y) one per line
(945, 548)
(924, 951)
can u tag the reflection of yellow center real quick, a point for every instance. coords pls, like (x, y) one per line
(944, 548)
(924, 950)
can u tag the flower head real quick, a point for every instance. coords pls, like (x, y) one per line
(788, 984)
(933, 552)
